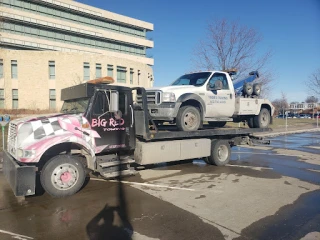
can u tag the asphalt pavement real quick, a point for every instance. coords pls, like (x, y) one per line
(266, 192)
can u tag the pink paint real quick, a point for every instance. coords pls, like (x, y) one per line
(66, 177)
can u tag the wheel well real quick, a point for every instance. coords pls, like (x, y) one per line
(193, 103)
(267, 107)
(66, 147)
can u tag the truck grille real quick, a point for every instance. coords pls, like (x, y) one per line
(153, 97)
(12, 138)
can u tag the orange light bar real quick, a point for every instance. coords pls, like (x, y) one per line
(103, 80)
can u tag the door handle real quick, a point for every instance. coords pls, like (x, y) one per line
(132, 119)
(230, 95)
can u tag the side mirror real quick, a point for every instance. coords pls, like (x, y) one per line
(114, 102)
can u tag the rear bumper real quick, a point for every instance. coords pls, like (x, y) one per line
(22, 179)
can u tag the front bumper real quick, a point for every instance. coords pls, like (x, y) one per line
(22, 179)
(164, 111)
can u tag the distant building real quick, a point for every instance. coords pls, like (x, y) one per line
(296, 107)
(47, 45)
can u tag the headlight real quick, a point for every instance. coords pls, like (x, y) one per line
(168, 97)
(26, 153)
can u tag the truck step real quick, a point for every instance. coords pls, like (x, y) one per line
(109, 175)
(115, 163)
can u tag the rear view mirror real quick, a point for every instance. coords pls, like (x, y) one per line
(114, 101)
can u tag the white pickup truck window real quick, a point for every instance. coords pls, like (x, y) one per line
(219, 76)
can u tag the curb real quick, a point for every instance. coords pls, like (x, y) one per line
(275, 134)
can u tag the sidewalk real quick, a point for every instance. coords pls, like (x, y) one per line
(290, 129)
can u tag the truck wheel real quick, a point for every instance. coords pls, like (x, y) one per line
(256, 89)
(62, 176)
(250, 122)
(247, 89)
(188, 119)
(220, 153)
(217, 124)
(263, 119)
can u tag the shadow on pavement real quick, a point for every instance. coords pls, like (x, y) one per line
(112, 221)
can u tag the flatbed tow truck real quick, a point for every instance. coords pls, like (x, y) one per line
(101, 129)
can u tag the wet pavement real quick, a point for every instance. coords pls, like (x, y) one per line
(266, 192)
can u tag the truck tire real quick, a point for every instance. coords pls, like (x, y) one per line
(62, 176)
(247, 89)
(188, 119)
(250, 122)
(256, 89)
(217, 124)
(220, 153)
(263, 119)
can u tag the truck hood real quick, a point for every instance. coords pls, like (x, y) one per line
(173, 89)
(36, 118)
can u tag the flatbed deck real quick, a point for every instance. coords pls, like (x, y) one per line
(171, 133)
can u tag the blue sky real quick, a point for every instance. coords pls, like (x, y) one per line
(290, 28)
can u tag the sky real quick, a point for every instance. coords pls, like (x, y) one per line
(290, 29)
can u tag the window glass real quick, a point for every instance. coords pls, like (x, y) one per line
(101, 104)
(2, 98)
(121, 74)
(52, 70)
(219, 76)
(98, 70)
(52, 99)
(14, 98)
(86, 71)
(110, 70)
(14, 69)
(1, 68)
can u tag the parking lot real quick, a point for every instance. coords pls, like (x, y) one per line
(266, 192)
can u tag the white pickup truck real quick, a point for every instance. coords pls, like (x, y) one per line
(207, 96)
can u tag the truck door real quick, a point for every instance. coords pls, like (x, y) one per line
(220, 103)
(116, 129)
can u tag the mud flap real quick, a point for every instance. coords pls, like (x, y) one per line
(22, 179)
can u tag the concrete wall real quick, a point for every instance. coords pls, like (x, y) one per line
(33, 81)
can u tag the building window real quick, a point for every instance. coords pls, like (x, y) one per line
(86, 71)
(98, 70)
(14, 98)
(139, 77)
(2, 98)
(110, 70)
(121, 74)
(14, 69)
(52, 99)
(131, 75)
(52, 70)
(1, 68)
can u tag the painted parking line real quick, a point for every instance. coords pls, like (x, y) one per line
(144, 184)
(15, 235)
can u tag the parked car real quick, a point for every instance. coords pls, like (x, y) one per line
(304, 116)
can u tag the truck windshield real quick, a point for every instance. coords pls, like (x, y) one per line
(75, 105)
(195, 79)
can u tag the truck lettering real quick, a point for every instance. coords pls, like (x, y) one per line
(96, 122)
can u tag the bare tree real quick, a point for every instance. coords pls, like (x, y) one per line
(311, 99)
(313, 83)
(230, 45)
(281, 104)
